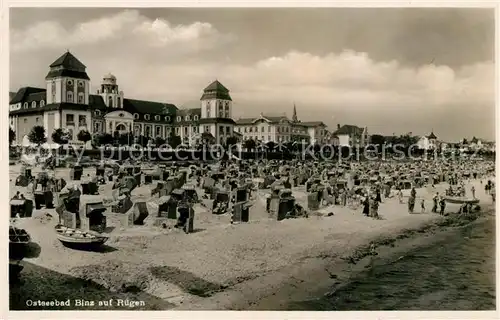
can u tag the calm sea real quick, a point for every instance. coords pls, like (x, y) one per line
(456, 272)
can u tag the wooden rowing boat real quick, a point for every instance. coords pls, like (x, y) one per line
(461, 200)
(79, 239)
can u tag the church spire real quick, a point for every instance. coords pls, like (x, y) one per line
(294, 117)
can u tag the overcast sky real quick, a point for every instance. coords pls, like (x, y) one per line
(392, 70)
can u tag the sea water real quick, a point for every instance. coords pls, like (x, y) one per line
(455, 272)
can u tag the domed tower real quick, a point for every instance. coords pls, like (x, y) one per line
(110, 92)
(216, 112)
(67, 81)
(216, 102)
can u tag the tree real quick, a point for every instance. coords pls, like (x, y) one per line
(103, 139)
(174, 140)
(271, 145)
(207, 138)
(159, 141)
(84, 136)
(125, 139)
(37, 135)
(12, 136)
(290, 146)
(377, 140)
(60, 137)
(249, 144)
(231, 142)
(142, 141)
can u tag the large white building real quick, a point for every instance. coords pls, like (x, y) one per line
(428, 142)
(280, 129)
(66, 102)
(350, 135)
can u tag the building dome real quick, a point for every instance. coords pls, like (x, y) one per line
(109, 79)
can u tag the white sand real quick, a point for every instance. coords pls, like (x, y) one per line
(253, 260)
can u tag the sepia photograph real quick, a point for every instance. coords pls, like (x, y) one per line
(251, 159)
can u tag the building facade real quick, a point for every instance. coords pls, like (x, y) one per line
(280, 129)
(428, 142)
(350, 135)
(66, 102)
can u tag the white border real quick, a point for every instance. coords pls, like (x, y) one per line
(4, 89)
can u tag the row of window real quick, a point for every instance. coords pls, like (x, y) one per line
(222, 130)
(262, 129)
(70, 82)
(70, 120)
(33, 104)
(81, 97)
(25, 120)
(262, 138)
(223, 112)
(157, 117)
(167, 118)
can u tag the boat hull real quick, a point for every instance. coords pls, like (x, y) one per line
(461, 200)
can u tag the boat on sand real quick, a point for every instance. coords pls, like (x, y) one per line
(79, 239)
(461, 200)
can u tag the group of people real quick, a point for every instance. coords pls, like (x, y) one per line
(438, 202)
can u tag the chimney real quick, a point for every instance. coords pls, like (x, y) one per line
(338, 126)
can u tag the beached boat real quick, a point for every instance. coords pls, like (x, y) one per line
(79, 239)
(461, 200)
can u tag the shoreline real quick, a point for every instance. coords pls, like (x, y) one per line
(324, 275)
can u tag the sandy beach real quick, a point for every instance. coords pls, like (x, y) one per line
(258, 265)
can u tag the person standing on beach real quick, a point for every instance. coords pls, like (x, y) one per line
(411, 204)
(435, 202)
(473, 190)
(422, 205)
(400, 195)
(442, 203)
(366, 206)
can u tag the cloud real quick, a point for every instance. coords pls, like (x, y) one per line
(334, 80)
(129, 24)
(349, 86)
(156, 60)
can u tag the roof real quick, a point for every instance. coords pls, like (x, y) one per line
(348, 130)
(216, 86)
(66, 73)
(23, 93)
(216, 90)
(216, 120)
(270, 119)
(37, 96)
(189, 112)
(432, 136)
(97, 102)
(148, 107)
(275, 119)
(243, 121)
(183, 113)
(67, 65)
(69, 61)
(313, 124)
(51, 107)
(11, 95)
(109, 76)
